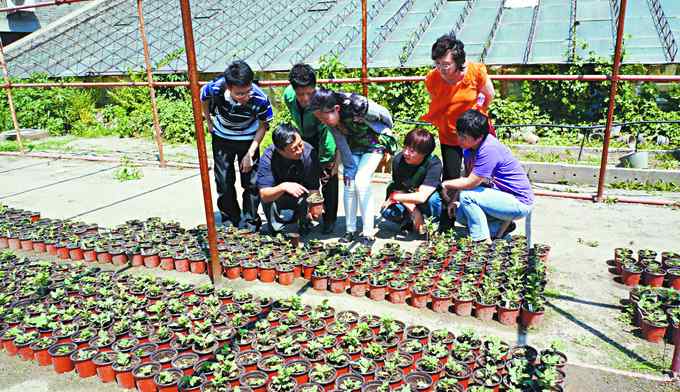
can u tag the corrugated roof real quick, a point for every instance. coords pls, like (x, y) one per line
(102, 38)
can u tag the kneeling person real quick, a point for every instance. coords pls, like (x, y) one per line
(286, 176)
(416, 177)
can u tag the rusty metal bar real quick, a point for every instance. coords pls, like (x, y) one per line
(214, 267)
(39, 5)
(364, 45)
(10, 101)
(612, 100)
(149, 79)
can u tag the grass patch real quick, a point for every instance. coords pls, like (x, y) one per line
(658, 186)
(50, 144)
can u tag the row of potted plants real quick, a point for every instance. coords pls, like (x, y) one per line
(647, 267)
(445, 274)
(159, 334)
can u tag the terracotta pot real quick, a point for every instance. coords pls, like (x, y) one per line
(267, 275)
(653, 279)
(39, 246)
(484, 312)
(105, 257)
(182, 265)
(167, 264)
(233, 272)
(14, 243)
(307, 271)
(26, 245)
(286, 277)
(508, 316)
(146, 383)
(653, 332)
(530, 319)
(25, 352)
(462, 307)
(90, 255)
(76, 254)
(137, 260)
(377, 293)
(398, 296)
(630, 278)
(62, 252)
(198, 267)
(338, 285)
(62, 362)
(320, 283)
(358, 288)
(441, 304)
(249, 273)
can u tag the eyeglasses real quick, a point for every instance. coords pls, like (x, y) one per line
(443, 67)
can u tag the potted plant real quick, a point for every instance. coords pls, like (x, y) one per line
(284, 381)
(487, 376)
(104, 361)
(532, 310)
(61, 357)
(508, 307)
(339, 360)
(358, 284)
(365, 368)
(144, 374)
(82, 359)
(167, 379)
(40, 347)
(319, 277)
(122, 366)
(300, 370)
(398, 291)
(441, 300)
(458, 371)
(285, 273)
(324, 375)
(418, 381)
(256, 380)
(377, 286)
(348, 383)
(338, 281)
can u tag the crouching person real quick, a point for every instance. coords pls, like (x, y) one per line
(413, 194)
(496, 190)
(286, 176)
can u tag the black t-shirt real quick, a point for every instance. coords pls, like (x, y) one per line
(404, 175)
(274, 169)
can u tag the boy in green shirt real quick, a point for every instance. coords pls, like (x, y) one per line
(296, 96)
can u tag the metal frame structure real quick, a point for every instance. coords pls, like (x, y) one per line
(193, 84)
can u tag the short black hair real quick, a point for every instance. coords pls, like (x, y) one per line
(283, 136)
(473, 124)
(324, 100)
(420, 140)
(238, 73)
(449, 42)
(302, 75)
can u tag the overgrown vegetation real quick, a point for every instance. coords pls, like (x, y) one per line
(127, 171)
(126, 112)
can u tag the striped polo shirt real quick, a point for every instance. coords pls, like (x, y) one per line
(231, 120)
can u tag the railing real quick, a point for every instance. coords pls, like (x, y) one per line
(532, 33)
(414, 38)
(664, 30)
(492, 34)
(572, 32)
(388, 27)
(463, 15)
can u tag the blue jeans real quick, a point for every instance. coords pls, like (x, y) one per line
(483, 210)
(431, 208)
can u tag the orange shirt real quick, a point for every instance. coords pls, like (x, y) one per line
(449, 101)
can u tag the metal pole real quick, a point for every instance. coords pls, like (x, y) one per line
(152, 90)
(10, 101)
(612, 101)
(364, 51)
(214, 267)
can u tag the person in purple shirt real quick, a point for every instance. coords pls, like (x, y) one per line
(496, 189)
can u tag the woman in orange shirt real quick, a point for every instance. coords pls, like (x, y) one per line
(454, 86)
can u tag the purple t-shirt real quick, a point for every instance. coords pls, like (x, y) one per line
(500, 170)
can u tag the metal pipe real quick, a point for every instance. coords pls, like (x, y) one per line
(47, 155)
(618, 199)
(377, 80)
(10, 101)
(612, 100)
(149, 79)
(364, 45)
(214, 267)
(39, 5)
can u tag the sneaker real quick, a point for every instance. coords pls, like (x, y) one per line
(511, 227)
(348, 237)
(328, 227)
(366, 240)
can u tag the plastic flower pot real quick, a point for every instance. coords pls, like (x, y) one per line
(62, 252)
(285, 275)
(144, 374)
(508, 316)
(653, 332)
(167, 264)
(249, 273)
(232, 271)
(75, 254)
(152, 260)
(338, 285)
(530, 319)
(462, 307)
(307, 270)
(674, 278)
(377, 292)
(61, 357)
(119, 258)
(167, 380)
(4, 243)
(41, 354)
(630, 277)
(198, 266)
(420, 298)
(26, 245)
(441, 303)
(14, 243)
(419, 381)
(84, 365)
(301, 377)
(358, 287)
(185, 363)
(267, 274)
(164, 357)
(319, 283)
(182, 265)
(105, 257)
(103, 362)
(256, 380)
(484, 312)
(341, 379)
(653, 279)
(398, 296)
(89, 255)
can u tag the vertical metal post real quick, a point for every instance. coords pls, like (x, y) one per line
(5, 73)
(152, 89)
(364, 50)
(612, 101)
(214, 267)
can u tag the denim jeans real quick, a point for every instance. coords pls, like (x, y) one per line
(483, 210)
(284, 211)
(431, 208)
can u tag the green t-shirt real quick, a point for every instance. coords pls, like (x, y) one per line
(313, 131)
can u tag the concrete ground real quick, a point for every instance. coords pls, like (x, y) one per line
(584, 303)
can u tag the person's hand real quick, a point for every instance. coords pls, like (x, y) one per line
(347, 181)
(327, 171)
(387, 203)
(451, 210)
(418, 221)
(294, 189)
(247, 163)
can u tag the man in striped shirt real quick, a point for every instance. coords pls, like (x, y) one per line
(238, 113)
